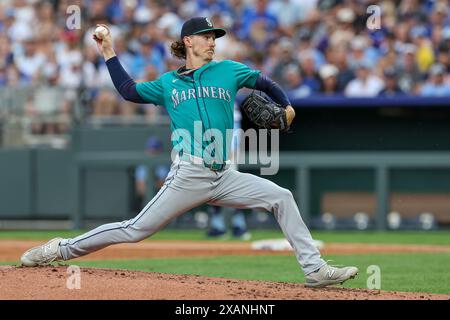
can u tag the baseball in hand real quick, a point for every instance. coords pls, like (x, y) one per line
(101, 32)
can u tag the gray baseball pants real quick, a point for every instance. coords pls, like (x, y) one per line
(189, 185)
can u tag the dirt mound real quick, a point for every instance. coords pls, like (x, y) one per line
(51, 283)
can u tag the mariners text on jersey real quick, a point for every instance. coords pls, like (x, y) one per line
(201, 92)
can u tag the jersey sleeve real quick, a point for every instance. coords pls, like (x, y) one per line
(245, 76)
(151, 91)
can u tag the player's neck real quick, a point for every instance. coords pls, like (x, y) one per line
(195, 62)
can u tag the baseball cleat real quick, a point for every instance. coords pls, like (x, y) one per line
(42, 255)
(328, 275)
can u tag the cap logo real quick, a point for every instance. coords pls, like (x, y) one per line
(208, 22)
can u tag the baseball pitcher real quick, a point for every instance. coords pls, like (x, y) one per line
(202, 92)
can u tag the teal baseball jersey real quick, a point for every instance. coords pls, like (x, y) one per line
(201, 104)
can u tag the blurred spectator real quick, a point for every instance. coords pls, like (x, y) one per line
(6, 56)
(329, 81)
(435, 86)
(169, 22)
(146, 56)
(343, 32)
(361, 51)
(387, 43)
(366, 84)
(391, 87)
(443, 57)
(105, 103)
(256, 61)
(439, 16)
(210, 7)
(306, 47)
(282, 57)
(125, 20)
(388, 60)
(18, 20)
(13, 77)
(228, 47)
(308, 69)
(46, 22)
(47, 108)
(410, 9)
(288, 12)
(445, 35)
(271, 59)
(259, 25)
(95, 73)
(409, 73)
(424, 51)
(295, 86)
(338, 57)
(49, 72)
(30, 61)
(156, 34)
(70, 59)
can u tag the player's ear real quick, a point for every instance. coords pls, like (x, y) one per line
(187, 41)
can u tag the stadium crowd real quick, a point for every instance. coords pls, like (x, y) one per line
(311, 47)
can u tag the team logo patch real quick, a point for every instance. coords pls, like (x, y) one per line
(208, 22)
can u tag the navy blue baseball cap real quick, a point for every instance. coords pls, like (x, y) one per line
(200, 25)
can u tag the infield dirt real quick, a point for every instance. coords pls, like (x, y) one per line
(51, 282)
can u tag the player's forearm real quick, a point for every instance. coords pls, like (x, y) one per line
(122, 81)
(273, 90)
(108, 54)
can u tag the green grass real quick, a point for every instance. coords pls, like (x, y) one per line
(406, 237)
(399, 272)
(423, 272)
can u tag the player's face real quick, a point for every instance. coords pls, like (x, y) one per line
(203, 45)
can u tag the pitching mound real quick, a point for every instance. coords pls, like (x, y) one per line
(51, 283)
